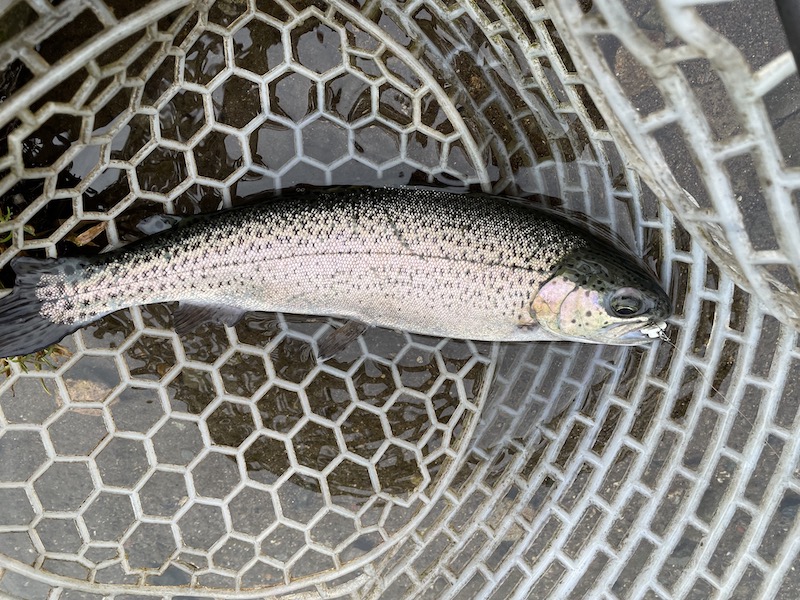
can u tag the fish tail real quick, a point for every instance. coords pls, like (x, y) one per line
(23, 327)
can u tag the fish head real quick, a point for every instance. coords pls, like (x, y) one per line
(600, 295)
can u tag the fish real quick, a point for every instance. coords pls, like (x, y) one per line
(423, 260)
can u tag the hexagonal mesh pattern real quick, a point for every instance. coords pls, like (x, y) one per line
(228, 463)
(258, 468)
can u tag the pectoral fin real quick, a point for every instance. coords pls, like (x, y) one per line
(188, 316)
(338, 339)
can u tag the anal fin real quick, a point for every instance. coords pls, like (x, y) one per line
(338, 339)
(189, 316)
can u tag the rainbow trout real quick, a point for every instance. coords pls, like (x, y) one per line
(468, 266)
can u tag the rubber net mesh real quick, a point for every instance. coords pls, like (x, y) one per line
(227, 463)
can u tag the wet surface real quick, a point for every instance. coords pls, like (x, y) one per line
(230, 458)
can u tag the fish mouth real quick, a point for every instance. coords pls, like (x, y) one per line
(640, 332)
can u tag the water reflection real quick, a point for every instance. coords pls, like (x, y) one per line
(258, 47)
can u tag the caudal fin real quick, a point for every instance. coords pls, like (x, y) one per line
(23, 329)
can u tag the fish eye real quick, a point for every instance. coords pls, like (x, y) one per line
(627, 302)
